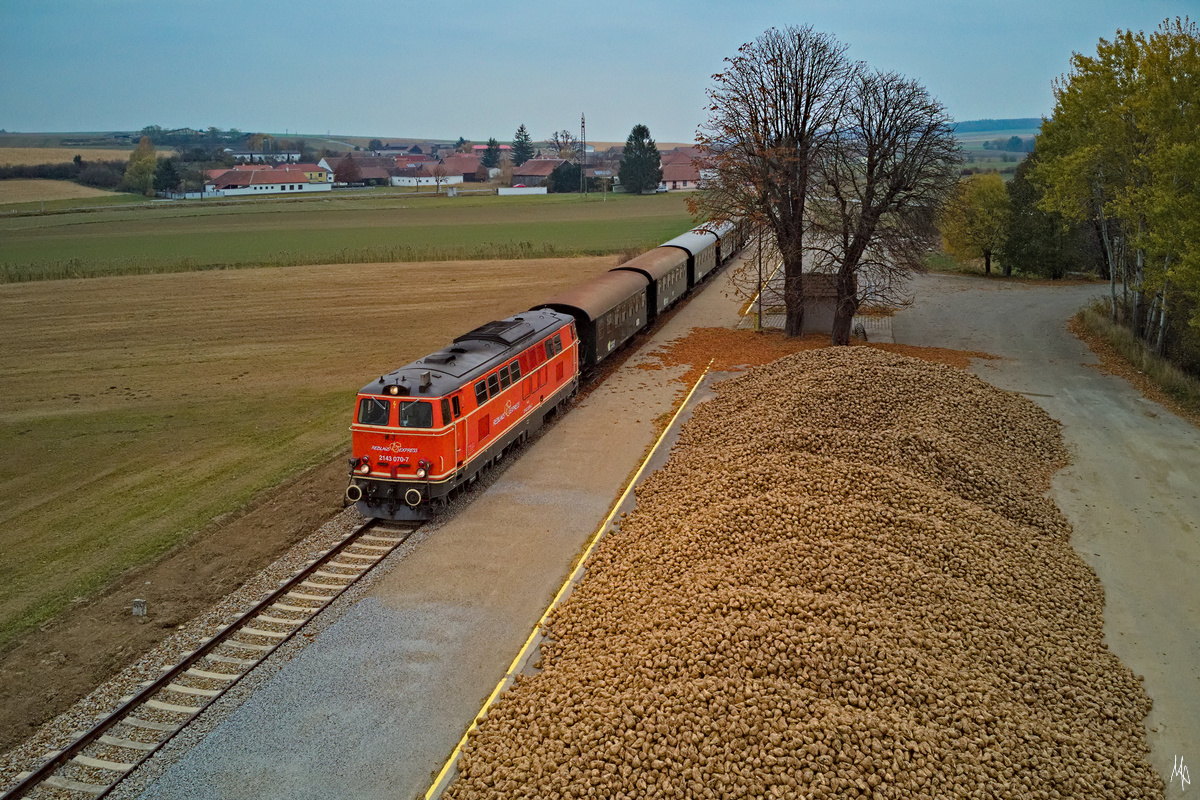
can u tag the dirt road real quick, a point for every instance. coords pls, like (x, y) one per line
(1131, 492)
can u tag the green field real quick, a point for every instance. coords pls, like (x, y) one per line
(343, 228)
(977, 158)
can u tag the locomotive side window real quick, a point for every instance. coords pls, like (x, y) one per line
(445, 411)
(416, 414)
(505, 380)
(457, 409)
(493, 385)
(557, 343)
(515, 370)
(481, 393)
(373, 411)
(549, 348)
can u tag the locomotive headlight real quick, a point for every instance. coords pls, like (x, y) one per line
(421, 472)
(393, 390)
(364, 467)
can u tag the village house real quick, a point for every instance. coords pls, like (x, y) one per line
(260, 182)
(427, 174)
(680, 177)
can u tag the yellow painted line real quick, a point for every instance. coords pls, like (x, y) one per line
(768, 280)
(441, 781)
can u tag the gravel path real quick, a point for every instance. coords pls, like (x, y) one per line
(1130, 492)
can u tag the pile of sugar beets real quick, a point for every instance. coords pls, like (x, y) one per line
(846, 582)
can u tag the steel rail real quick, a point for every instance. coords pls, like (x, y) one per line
(75, 748)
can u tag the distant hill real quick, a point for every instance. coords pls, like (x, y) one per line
(974, 125)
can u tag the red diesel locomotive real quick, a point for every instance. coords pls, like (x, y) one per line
(423, 431)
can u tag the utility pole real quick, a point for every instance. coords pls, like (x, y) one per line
(582, 153)
(760, 286)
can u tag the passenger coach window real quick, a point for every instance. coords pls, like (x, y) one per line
(373, 411)
(416, 414)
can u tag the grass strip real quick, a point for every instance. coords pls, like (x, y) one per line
(133, 265)
(1124, 354)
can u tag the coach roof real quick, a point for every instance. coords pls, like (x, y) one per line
(693, 241)
(656, 263)
(599, 295)
(471, 356)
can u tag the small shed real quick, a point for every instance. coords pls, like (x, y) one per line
(535, 171)
(820, 301)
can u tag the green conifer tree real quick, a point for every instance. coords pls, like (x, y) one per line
(522, 148)
(641, 165)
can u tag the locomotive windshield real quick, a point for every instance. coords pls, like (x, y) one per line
(373, 411)
(416, 414)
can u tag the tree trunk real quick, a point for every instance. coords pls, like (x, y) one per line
(1141, 318)
(1112, 265)
(1006, 267)
(1161, 345)
(846, 308)
(987, 262)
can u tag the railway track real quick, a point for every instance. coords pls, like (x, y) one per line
(97, 760)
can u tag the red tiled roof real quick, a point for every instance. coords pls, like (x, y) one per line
(373, 173)
(680, 172)
(236, 178)
(461, 165)
(537, 167)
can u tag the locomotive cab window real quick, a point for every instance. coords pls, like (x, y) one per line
(457, 408)
(373, 411)
(446, 419)
(416, 414)
(557, 343)
(549, 348)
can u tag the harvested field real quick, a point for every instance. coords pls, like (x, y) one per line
(134, 411)
(21, 156)
(847, 581)
(30, 191)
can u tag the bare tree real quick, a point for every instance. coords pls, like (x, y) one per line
(774, 110)
(892, 167)
(439, 173)
(565, 144)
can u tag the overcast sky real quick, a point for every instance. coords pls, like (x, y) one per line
(480, 68)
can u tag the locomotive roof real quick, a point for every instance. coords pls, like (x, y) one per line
(656, 263)
(470, 356)
(600, 294)
(693, 241)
